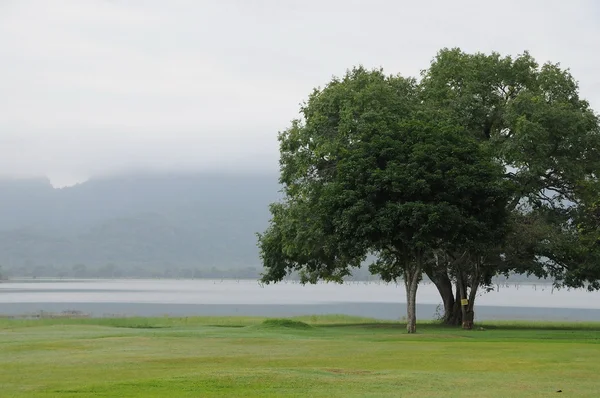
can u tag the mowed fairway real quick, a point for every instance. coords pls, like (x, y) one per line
(318, 357)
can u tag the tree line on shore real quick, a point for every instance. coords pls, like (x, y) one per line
(486, 165)
(114, 271)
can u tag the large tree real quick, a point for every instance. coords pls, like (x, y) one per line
(534, 121)
(370, 170)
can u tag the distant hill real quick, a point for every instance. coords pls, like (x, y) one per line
(135, 225)
(139, 225)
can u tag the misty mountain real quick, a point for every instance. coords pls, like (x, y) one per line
(138, 221)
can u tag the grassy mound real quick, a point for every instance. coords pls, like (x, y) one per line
(285, 323)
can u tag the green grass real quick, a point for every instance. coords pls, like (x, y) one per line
(333, 356)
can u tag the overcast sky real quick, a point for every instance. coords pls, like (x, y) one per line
(90, 87)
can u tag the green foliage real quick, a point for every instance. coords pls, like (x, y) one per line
(581, 246)
(532, 117)
(533, 120)
(369, 170)
(409, 171)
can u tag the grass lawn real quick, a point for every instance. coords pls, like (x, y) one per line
(312, 356)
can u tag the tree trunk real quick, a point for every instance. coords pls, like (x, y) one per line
(452, 312)
(412, 275)
(467, 322)
(467, 307)
(470, 310)
(457, 317)
(411, 308)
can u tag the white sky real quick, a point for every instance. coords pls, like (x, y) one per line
(100, 86)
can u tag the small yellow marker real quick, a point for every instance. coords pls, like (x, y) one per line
(464, 302)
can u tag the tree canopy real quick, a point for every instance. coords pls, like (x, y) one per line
(486, 165)
(370, 171)
(534, 121)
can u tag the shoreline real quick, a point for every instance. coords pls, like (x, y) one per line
(378, 311)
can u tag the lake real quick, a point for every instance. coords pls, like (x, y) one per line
(249, 298)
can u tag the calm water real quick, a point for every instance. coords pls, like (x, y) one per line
(207, 297)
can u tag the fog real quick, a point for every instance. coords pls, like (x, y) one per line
(94, 87)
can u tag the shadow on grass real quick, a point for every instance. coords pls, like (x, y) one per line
(488, 326)
(227, 326)
(529, 325)
(390, 325)
(373, 325)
